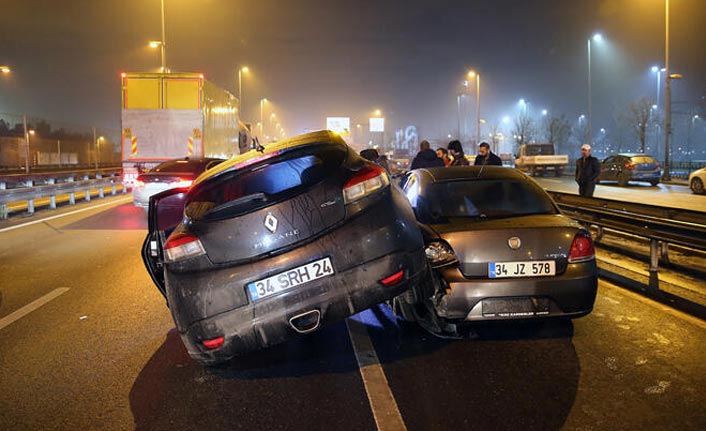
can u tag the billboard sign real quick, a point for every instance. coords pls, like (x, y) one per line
(340, 125)
(377, 124)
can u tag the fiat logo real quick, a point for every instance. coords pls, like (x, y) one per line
(271, 223)
(514, 243)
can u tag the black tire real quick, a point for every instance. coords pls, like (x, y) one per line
(557, 171)
(697, 186)
(622, 180)
(533, 171)
(654, 183)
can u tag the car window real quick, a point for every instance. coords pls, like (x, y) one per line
(609, 160)
(246, 190)
(485, 199)
(181, 166)
(642, 159)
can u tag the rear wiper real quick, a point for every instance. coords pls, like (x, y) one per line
(235, 203)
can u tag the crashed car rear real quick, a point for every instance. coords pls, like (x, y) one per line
(277, 242)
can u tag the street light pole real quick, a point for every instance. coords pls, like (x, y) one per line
(590, 134)
(667, 96)
(241, 70)
(163, 44)
(477, 108)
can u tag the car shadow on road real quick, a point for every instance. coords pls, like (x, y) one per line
(501, 376)
(122, 217)
(513, 377)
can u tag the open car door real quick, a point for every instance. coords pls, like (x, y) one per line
(166, 211)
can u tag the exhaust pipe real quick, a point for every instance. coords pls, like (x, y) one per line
(306, 322)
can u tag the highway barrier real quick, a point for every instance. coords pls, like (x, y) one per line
(661, 225)
(54, 187)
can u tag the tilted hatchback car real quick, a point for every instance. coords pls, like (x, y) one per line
(499, 248)
(697, 180)
(277, 242)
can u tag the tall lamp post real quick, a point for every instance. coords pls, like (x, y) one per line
(242, 70)
(473, 74)
(262, 122)
(595, 38)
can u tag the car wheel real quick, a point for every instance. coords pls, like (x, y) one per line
(654, 183)
(622, 180)
(697, 186)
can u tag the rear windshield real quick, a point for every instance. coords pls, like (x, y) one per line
(262, 185)
(185, 166)
(482, 199)
(539, 150)
(638, 160)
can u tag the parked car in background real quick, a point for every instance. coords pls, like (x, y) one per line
(624, 168)
(169, 175)
(499, 249)
(697, 180)
(278, 242)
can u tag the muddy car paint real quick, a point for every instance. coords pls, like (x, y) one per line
(367, 241)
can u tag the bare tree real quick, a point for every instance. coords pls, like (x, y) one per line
(524, 131)
(638, 116)
(557, 131)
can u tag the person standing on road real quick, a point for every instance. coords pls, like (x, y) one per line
(456, 151)
(587, 170)
(443, 154)
(426, 157)
(486, 157)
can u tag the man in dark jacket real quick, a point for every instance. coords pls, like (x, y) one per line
(486, 157)
(426, 157)
(587, 170)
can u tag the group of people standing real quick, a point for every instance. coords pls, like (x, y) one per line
(452, 155)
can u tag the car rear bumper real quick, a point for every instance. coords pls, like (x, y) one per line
(268, 321)
(570, 294)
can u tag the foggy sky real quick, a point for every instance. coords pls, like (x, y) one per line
(318, 58)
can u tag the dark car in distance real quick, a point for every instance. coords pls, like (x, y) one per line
(499, 249)
(277, 242)
(172, 174)
(624, 168)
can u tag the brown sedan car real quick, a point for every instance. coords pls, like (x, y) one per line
(499, 247)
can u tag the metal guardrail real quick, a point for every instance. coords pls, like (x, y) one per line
(661, 225)
(63, 173)
(51, 190)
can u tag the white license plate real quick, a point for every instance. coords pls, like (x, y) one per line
(291, 278)
(530, 268)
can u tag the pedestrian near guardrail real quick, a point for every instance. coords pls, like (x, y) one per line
(587, 170)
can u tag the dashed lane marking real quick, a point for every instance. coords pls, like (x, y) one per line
(32, 306)
(385, 412)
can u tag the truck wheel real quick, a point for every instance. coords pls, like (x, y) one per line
(557, 171)
(533, 171)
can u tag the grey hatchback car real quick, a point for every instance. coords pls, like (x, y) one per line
(624, 168)
(277, 242)
(499, 247)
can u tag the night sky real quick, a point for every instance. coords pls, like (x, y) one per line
(318, 58)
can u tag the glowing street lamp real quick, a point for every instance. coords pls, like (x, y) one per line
(472, 74)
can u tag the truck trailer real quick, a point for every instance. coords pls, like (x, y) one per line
(166, 116)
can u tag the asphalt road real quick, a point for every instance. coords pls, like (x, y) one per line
(102, 353)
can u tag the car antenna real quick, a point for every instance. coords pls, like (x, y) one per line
(256, 145)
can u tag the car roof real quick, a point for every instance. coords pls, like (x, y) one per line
(272, 150)
(633, 155)
(450, 173)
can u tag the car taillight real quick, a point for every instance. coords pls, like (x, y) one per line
(181, 183)
(180, 246)
(582, 248)
(213, 343)
(629, 166)
(393, 279)
(137, 182)
(658, 166)
(366, 181)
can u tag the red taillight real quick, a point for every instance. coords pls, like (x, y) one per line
(214, 343)
(181, 183)
(138, 182)
(365, 181)
(629, 166)
(582, 248)
(393, 279)
(658, 166)
(180, 246)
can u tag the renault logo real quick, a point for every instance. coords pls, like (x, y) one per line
(271, 223)
(514, 243)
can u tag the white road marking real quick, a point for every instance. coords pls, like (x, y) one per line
(32, 306)
(385, 412)
(117, 201)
